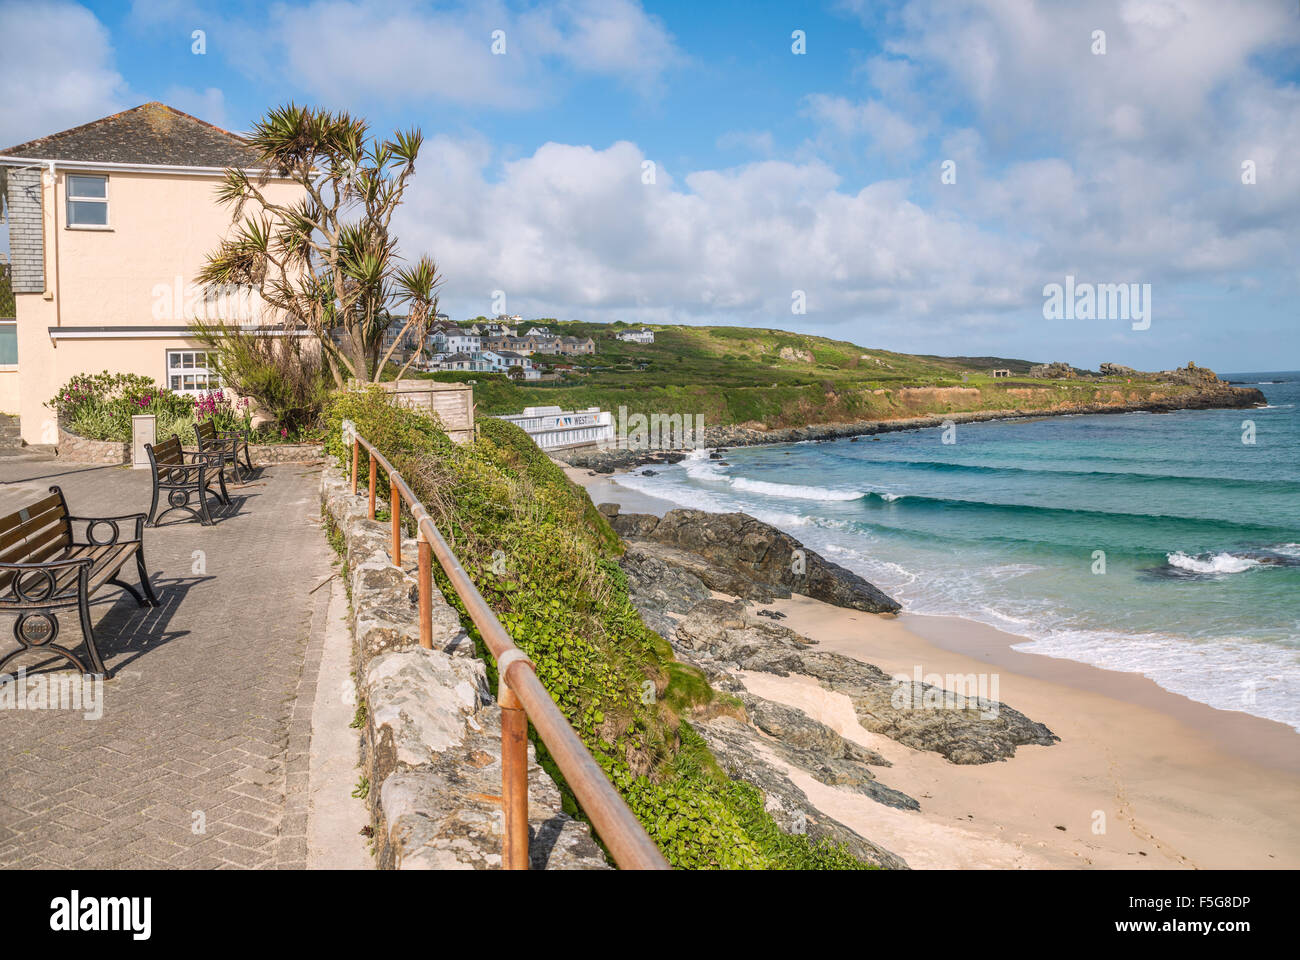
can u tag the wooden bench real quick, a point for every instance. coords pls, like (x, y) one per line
(45, 567)
(181, 479)
(228, 443)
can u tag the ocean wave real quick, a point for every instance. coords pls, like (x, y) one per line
(793, 491)
(1211, 563)
(1261, 679)
(948, 466)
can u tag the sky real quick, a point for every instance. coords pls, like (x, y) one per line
(905, 175)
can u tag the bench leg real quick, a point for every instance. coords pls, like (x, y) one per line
(221, 482)
(88, 631)
(204, 516)
(153, 507)
(144, 577)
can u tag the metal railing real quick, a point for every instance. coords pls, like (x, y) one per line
(520, 694)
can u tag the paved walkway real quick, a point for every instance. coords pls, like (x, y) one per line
(201, 756)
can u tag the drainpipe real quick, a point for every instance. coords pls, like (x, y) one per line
(51, 288)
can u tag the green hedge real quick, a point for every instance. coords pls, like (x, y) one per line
(546, 561)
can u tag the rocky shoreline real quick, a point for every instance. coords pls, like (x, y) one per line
(1215, 395)
(675, 565)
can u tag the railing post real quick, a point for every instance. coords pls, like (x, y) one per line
(374, 465)
(395, 510)
(425, 579)
(356, 455)
(514, 779)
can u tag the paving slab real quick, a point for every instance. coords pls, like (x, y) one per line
(200, 756)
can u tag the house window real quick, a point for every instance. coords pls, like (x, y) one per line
(8, 345)
(87, 201)
(192, 371)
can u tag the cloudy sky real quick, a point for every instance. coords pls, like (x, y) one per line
(919, 172)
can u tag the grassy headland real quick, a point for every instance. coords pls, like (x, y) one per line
(772, 379)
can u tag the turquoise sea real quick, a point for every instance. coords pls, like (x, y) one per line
(1161, 544)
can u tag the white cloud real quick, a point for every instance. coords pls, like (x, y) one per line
(574, 230)
(889, 132)
(56, 71)
(344, 49)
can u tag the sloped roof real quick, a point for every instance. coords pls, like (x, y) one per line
(152, 133)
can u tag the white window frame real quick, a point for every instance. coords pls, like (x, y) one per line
(69, 200)
(208, 374)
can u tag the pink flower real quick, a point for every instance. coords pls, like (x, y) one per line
(284, 432)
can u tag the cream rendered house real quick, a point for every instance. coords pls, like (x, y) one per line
(109, 224)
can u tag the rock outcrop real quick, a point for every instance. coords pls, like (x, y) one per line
(1058, 370)
(723, 638)
(737, 554)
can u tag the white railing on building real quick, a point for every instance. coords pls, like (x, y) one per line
(552, 427)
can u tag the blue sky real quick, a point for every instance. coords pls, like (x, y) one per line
(776, 172)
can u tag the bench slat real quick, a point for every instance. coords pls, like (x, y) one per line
(21, 551)
(30, 527)
(19, 517)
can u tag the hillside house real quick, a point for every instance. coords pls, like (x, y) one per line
(109, 225)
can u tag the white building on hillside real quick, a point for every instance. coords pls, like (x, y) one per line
(637, 336)
(553, 428)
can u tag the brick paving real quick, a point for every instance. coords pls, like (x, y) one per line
(207, 722)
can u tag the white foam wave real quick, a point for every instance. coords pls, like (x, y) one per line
(1211, 563)
(793, 491)
(1262, 679)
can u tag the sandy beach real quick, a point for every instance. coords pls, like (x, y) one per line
(1141, 778)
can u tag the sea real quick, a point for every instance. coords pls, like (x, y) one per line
(1161, 544)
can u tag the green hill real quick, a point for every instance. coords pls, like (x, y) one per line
(774, 378)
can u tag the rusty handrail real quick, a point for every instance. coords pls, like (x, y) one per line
(522, 696)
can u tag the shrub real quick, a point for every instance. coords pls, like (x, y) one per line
(287, 381)
(545, 560)
(99, 406)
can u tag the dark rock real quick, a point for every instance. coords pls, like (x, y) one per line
(657, 589)
(773, 614)
(736, 544)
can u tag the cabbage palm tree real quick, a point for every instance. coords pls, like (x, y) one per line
(326, 262)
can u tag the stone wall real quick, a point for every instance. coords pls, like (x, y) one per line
(431, 746)
(267, 454)
(84, 450)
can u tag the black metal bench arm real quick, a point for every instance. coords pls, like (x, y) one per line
(136, 519)
(20, 593)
